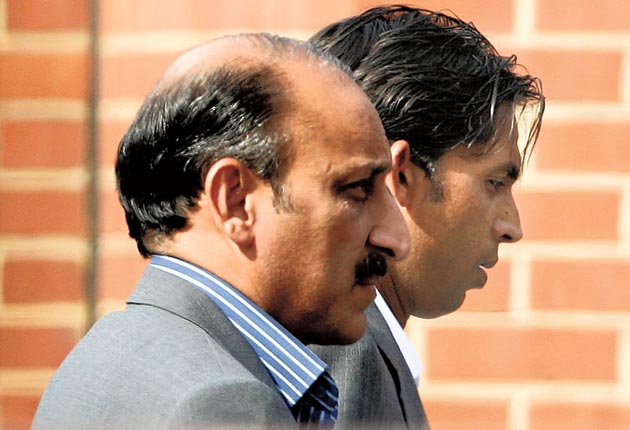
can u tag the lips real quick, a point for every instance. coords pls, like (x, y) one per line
(489, 264)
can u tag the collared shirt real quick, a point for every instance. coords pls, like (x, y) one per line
(407, 350)
(293, 367)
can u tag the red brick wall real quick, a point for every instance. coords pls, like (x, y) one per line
(544, 346)
(44, 76)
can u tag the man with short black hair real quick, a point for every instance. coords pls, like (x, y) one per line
(452, 108)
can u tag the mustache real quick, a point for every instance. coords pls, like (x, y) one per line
(373, 265)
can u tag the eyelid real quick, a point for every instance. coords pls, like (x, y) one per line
(508, 178)
(366, 185)
(497, 183)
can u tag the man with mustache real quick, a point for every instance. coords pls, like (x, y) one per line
(452, 109)
(253, 179)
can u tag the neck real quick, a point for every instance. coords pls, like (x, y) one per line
(392, 296)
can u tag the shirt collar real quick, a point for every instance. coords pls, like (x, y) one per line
(406, 348)
(293, 367)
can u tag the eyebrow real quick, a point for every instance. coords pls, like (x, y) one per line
(375, 170)
(378, 169)
(513, 172)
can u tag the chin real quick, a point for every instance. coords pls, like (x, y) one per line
(442, 309)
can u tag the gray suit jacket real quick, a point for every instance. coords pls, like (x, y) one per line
(376, 388)
(170, 360)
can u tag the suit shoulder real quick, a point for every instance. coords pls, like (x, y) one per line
(144, 359)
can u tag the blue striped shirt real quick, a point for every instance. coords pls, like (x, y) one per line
(293, 367)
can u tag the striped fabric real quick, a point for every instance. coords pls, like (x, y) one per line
(299, 374)
(318, 407)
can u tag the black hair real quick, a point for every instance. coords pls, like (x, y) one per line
(434, 79)
(186, 124)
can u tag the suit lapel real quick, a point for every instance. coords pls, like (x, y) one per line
(172, 294)
(408, 392)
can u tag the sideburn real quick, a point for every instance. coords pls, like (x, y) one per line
(281, 198)
(436, 190)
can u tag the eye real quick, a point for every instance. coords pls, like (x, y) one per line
(359, 191)
(496, 183)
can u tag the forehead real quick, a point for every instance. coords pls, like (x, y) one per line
(500, 152)
(334, 126)
(504, 138)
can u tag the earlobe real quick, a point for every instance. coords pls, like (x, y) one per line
(229, 185)
(399, 179)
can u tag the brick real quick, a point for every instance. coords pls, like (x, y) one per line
(43, 144)
(491, 16)
(568, 215)
(110, 134)
(585, 16)
(29, 348)
(46, 15)
(33, 281)
(585, 285)
(132, 76)
(119, 274)
(600, 147)
(582, 416)
(464, 414)
(43, 75)
(310, 16)
(42, 212)
(250, 15)
(521, 354)
(599, 79)
(144, 15)
(16, 412)
(280, 15)
(112, 213)
(494, 297)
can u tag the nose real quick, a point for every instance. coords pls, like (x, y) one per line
(507, 226)
(390, 233)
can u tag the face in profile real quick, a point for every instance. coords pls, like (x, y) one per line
(457, 220)
(324, 247)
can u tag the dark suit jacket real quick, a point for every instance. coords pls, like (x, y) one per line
(170, 360)
(376, 388)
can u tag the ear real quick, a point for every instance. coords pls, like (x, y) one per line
(399, 179)
(229, 185)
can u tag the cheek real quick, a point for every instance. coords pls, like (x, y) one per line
(344, 229)
(468, 208)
